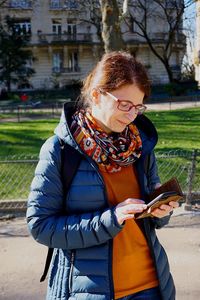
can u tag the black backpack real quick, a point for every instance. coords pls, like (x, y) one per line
(70, 160)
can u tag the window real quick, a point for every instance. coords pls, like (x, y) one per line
(55, 4)
(23, 27)
(71, 28)
(20, 4)
(71, 4)
(73, 62)
(57, 26)
(57, 62)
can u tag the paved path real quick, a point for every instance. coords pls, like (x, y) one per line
(171, 105)
(150, 107)
(22, 259)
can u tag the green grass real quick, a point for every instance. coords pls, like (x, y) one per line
(177, 129)
(25, 137)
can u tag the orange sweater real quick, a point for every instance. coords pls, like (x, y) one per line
(133, 268)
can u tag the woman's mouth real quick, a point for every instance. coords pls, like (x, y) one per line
(123, 123)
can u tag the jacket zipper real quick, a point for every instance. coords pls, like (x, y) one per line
(71, 270)
(110, 243)
(110, 250)
(147, 233)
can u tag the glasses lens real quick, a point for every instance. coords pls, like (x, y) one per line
(140, 109)
(124, 105)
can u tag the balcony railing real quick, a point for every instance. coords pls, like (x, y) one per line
(64, 37)
(74, 69)
(164, 36)
(20, 4)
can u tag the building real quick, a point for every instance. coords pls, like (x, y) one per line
(197, 44)
(66, 44)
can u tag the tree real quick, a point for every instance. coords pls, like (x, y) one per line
(14, 55)
(168, 15)
(143, 14)
(111, 26)
(93, 11)
(105, 16)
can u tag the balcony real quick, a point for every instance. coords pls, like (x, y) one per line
(74, 69)
(160, 37)
(20, 4)
(63, 38)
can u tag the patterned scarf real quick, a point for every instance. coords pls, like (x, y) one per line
(112, 151)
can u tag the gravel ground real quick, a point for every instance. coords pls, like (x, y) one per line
(22, 259)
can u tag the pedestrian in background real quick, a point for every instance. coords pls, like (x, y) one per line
(101, 251)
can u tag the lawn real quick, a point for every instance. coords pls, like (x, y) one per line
(25, 137)
(178, 129)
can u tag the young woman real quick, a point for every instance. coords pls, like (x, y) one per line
(101, 251)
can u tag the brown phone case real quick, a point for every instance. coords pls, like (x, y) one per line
(171, 185)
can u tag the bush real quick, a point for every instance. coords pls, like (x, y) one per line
(175, 89)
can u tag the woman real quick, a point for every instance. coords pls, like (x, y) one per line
(102, 252)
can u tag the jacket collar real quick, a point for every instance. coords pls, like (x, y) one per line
(146, 128)
(148, 133)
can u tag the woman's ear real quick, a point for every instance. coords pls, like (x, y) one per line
(95, 96)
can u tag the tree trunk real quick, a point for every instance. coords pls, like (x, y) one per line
(169, 72)
(111, 31)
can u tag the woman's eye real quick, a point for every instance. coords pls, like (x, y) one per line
(125, 104)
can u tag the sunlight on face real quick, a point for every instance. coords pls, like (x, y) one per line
(108, 116)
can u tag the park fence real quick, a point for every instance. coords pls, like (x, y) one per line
(16, 174)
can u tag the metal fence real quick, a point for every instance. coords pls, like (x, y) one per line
(16, 174)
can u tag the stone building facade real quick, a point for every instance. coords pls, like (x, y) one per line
(66, 45)
(197, 44)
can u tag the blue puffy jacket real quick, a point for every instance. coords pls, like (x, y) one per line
(83, 231)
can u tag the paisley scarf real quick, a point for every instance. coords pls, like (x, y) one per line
(110, 151)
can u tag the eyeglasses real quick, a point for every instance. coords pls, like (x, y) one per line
(125, 105)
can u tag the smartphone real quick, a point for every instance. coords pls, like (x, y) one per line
(163, 198)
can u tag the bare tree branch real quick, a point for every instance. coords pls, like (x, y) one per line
(2, 2)
(145, 12)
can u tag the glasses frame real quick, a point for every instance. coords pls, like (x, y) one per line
(136, 107)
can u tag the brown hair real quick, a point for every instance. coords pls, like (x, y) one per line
(114, 70)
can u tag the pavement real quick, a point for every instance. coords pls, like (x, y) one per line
(171, 105)
(22, 259)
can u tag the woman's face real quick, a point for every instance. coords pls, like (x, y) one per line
(105, 109)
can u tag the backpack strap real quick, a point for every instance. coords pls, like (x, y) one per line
(70, 160)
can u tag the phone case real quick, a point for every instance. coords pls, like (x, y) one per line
(169, 191)
(170, 185)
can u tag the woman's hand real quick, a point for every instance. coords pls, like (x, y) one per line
(126, 209)
(164, 209)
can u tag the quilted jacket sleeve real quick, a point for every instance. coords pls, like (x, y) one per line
(45, 222)
(153, 178)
